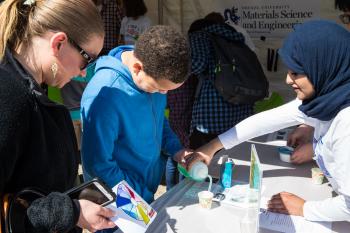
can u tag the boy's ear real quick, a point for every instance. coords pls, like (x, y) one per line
(137, 67)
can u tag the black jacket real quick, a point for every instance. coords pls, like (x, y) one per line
(37, 147)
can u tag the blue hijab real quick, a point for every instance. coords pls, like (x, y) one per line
(321, 50)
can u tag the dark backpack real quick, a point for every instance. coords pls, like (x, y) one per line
(239, 77)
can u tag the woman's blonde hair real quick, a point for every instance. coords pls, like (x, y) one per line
(19, 22)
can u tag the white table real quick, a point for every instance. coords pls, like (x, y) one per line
(176, 213)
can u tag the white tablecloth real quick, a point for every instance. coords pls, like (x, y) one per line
(181, 214)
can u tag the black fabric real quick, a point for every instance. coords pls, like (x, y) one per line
(37, 143)
(45, 220)
(240, 78)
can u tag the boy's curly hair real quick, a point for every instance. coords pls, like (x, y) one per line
(164, 53)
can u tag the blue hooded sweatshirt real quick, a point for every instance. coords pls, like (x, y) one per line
(124, 129)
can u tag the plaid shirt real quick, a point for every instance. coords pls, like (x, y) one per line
(211, 113)
(112, 15)
(180, 103)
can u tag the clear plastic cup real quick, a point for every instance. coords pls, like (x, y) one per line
(317, 175)
(205, 199)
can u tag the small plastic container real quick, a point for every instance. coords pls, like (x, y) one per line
(205, 199)
(226, 174)
(285, 153)
(317, 175)
(198, 172)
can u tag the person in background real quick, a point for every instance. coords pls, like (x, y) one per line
(198, 115)
(125, 132)
(301, 137)
(112, 13)
(181, 100)
(217, 17)
(319, 72)
(134, 23)
(180, 104)
(210, 114)
(45, 43)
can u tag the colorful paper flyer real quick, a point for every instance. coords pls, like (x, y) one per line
(134, 214)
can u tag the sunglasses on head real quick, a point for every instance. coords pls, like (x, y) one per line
(89, 60)
(344, 18)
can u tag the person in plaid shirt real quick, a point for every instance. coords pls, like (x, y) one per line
(112, 14)
(199, 117)
(211, 114)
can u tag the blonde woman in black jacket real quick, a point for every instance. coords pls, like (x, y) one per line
(45, 42)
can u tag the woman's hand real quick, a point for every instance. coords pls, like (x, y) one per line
(204, 153)
(286, 203)
(302, 153)
(94, 217)
(300, 135)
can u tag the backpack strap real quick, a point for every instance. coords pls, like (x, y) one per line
(215, 42)
(198, 88)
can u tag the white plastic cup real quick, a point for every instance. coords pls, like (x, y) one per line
(285, 153)
(205, 199)
(317, 175)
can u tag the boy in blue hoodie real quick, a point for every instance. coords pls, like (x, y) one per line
(125, 133)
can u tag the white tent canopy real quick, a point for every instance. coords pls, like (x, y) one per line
(181, 13)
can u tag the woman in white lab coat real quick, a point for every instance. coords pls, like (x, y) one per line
(317, 55)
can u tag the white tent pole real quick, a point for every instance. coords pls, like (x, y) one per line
(181, 15)
(160, 11)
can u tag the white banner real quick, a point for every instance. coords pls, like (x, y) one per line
(269, 18)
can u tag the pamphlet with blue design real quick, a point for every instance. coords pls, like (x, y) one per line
(133, 214)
